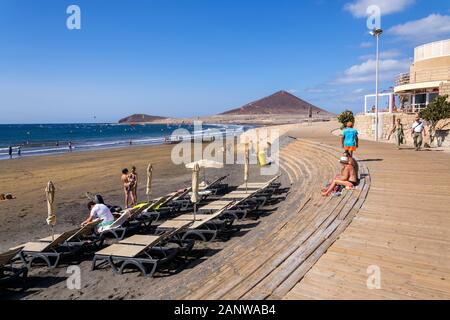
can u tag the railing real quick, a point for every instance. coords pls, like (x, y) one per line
(434, 74)
(402, 79)
(415, 108)
(432, 50)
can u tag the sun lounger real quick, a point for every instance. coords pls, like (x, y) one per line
(130, 220)
(215, 205)
(205, 227)
(49, 250)
(145, 252)
(216, 186)
(8, 269)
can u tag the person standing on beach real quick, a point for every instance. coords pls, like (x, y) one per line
(399, 133)
(133, 178)
(418, 133)
(10, 152)
(19, 151)
(126, 187)
(349, 139)
(70, 146)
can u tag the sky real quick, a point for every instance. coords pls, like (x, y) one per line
(184, 58)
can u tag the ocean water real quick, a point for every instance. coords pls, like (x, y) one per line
(40, 139)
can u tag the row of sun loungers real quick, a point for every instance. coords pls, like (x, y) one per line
(172, 238)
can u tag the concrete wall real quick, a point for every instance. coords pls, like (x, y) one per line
(444, 89)
(365, 124)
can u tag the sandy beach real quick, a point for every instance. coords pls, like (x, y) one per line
(98, 172)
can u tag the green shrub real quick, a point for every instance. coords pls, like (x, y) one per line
(437, 110)
(346, 117)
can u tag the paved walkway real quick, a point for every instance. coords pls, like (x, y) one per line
(403, 229)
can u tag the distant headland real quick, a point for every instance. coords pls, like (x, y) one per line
(281, 107)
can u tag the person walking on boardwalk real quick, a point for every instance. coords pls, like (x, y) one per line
(349, 139)
(418, 133)
(10, 152)
(399, 133)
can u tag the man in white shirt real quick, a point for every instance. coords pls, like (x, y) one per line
(99, 212)
(418, 132)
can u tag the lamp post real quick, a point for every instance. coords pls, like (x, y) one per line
(377, 33)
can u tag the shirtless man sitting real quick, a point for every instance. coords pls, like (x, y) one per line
(353, 162)
(348, 178)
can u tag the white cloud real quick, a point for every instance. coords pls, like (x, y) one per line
(365, 72)
(320, 89)
(388, 54)
(367, 44)
(433, 27)
(358, 8)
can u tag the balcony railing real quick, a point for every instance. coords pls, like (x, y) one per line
(402, 79)
(415, 108)
(434, 74)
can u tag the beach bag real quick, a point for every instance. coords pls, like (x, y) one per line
(262, 159)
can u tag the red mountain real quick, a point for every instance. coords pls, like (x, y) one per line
(281, 102)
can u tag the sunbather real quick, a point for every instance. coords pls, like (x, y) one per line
(127, 188)
(99, 212)
(347, 179)
(133, 178)
(353, 162)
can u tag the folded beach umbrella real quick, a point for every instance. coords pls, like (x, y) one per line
(205, 163)
(149, 180)
(51, 213)
(246, 167)
(195, 187)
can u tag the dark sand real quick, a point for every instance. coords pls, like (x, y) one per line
(23, 219)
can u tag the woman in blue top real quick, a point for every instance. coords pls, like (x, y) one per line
(349, 139)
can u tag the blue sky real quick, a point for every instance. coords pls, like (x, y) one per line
(198, 57)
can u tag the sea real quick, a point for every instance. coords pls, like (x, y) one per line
(44, 139)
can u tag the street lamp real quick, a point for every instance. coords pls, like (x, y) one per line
(377, 33)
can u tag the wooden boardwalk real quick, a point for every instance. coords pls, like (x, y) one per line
(398, 220)
(403, 228)
(269, 261)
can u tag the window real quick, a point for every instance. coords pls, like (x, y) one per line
(432, 96)
(420, 98)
